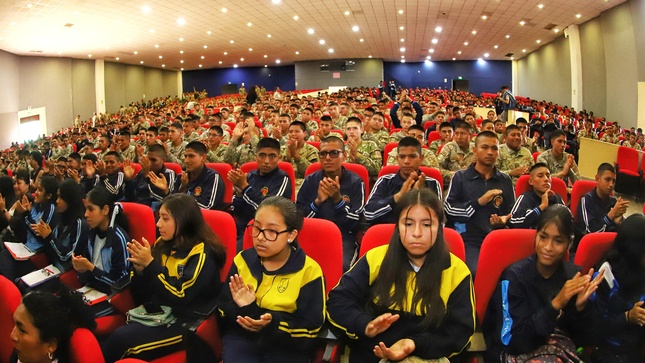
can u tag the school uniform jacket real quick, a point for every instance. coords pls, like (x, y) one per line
(274, 183)
(65, 240)
(526, 211)
(113, 256)
(141, 190)
(592, 213)
(346, 214)
(114, 183)
(350, 308)
(294, 295)
(45, 212)
(207, 189)
(183, 280)
(380, 203)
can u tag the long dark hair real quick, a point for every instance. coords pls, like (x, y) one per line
(100, 197)
(50, 186)
(390, 286)
(56, 316)
(6, 189)
(190, 228)
(626, 256)
(72, 193)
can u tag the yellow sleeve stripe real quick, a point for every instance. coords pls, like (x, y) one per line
(182, 291)
(295, 333)
(285, 325)
(349, 335)
(153, 345)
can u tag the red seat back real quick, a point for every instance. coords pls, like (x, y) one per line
(557, 185)
(222, 169)
(386, 151)
(627, 159)
(223, 225)
(322, 241)
(380, 234)
(591, 249)
(433, 135)
(580, 188)
(428, 171)
(315, 144)
(9, 300)
(84, 348)
(500, 249)
(141, 221)
(285, 166)
(174, 167)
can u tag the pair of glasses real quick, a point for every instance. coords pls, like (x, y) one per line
(269, 234)
(333, 154)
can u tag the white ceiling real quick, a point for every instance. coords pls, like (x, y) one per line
(118, 28)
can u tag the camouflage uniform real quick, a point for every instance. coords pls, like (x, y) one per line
(588, 134)
(626, 143)
(528, 144)
(308, 155)
(510, 159)
(217, 155)
(369, 155)
(101, 154)
(429, 159)
(452, 158)
(612, 139)
(176, 153)
(192, 137)
(340, 123)
(435, 145)
(130, 153)
(238, 154)
(556, 166)
(380, 137)
(311, 126)
(397, 136)
(58, 152)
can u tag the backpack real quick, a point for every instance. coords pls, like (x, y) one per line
(512, 103)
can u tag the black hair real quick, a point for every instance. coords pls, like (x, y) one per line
(6, 190)
(217, 129)
(521, 120)
(38, 157)
(605, 167)
(626, 256)
(510, 128)
(537, 165)
(125, 133)
(156, 148)
(415, 127)
(483, 134)
(91, 157)
(50, 186)
(56, 316)
(154, 130)
(72, 193)
(354, 119)
(76, 156)
(325, 118)
(444, 124)
(561, 216)
(557, 133)
(462, 125)
(100, 197)
(177, 125)
(300, 124)
(410, 141)
(293, 218)
(391, 284)
(198, 147)
(115, 154)
(268, 142)
(190, 228)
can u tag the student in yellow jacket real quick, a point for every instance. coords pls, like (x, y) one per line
(274, 304)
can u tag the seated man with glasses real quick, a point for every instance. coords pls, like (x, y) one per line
(252, 188)
(336, 194)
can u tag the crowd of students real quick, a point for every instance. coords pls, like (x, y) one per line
(411, 298)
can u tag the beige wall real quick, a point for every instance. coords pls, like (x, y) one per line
(594, 76)
(9, 98)
(126, 83)
(83, 88)
(546, 73)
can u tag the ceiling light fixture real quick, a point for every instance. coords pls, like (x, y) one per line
(200, 66)
(249, 24)
(556, 30)
(431, 50)
(454, 58)
(486, 55)
(209, 32)
(438, 29)
(225, 53)
(523, 50)
(578, 16)
(310, 31)
(321, 41)
(297, 52)
(330, 50)
(401, 27)
(181, 39)
(206, 47)
(369, 56)
(346, 12)
(402, 40)
(541, 6)
(361, 40)
(355, 28)
(474, 32)
(508, 36)
(141, 62)
(484, 17)
(276, 1)
(250, 49)
(182, 68)
(234, 65)
(156, 45)
(466, 43)
(296, 17)
(135, 52)
(435, 41)
(89, 55)
(181, 21)
(220, 62)
(163, 66)
(181, 61)
(224, 10)
(402, 60)
(146, 9)
(181, 52)
(241, 59)
(268, 35)
(277, 61)
(161, 57)
(401, 11)
(231, 41)
(495, 46)
(522, 22)
(459, 52)
(402, 49)
(265, 56)
(538, 41)
(202, 57)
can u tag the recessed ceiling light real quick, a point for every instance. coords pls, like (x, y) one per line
(181, 61)
(431, 50)
(538, 41)
(265, 56)
(523, 50)
(146, 9)
(438, 29)
(242, 59)
(435, 41)
(268, 35)
(402, 49)
(578, 16)
(484, 17)
(310, 31)
(200, 66)
(479, 59)
(355, 28)
(265, 66)
(522, 22)
(486, 55)
(402, 60)
(30, 5)
(541, 6)
(163, 66)
(466, 43)
(401, 27)
(321, 41)
(361, 40)
(277, 61)
(202, 57)
(182, 68)
(181, 39)
(220, 62)
(276, 1)
(496, 46)
(296, 17)
(156, 45)
(117, 58)
(428, 57)
(234, 65)
(231, 41)
(427, 61)
(152, 30)
(206, 47)
(454, 58)
(297, 52)
(181, 52)
(249, 24)
(209, 32)
(330, 50)
(474, 32)
(89, 55)
(555, 30)
(161, 57)
(224, 10)
(369, 56)
(459, 52)
(181, 21)
(225, 53)
(507, 36)
(141, 62)
(402, 57)
(512, 58)
(401, 11)
(135, 52)
(346, 12)
(402, 40)
(250, 49)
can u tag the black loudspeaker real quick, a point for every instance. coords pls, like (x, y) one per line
(461, 85)
(228, 89)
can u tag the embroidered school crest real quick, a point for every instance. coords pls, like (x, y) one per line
(497, 201)
(283, 284)
(264, 191)
(180, 270)
(198, 191)
(346, 198)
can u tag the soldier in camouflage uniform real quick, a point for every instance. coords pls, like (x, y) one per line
(429, 159)
(514, 159)
(446, 132)
(176, 146)
(610, 136)
(359, 151)
(216, 149)
(631, 142)
(298, 152)
(527, 142)
(458, 154)
(560, 163)
(374, 129)
(242, 147)
(587, 132)
(125, 148)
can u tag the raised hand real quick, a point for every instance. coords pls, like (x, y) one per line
(81, 264)
(570, 289)
(590, 288)
(100, 167)
(380, 324)
(159, 181)
(128, 170)
(140, 254)
(243, 294)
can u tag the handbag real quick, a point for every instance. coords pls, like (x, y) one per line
(141, 316)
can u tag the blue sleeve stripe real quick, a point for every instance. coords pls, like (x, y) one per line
(507, 322)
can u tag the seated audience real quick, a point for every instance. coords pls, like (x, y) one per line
(359, 151)
(514, 159)
(458, 154)
(529, 206)
(202, 183)
(560, 163)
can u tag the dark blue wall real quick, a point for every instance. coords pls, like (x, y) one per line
(484, 76)
(213, 79)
